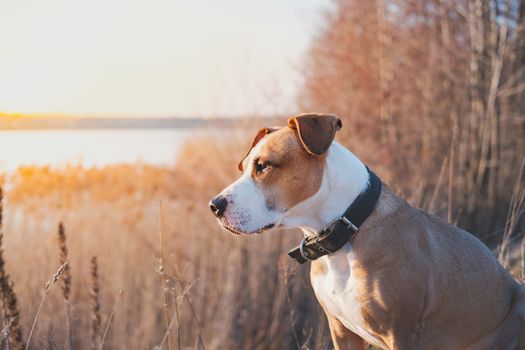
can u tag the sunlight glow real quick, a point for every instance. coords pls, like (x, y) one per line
(152, 57)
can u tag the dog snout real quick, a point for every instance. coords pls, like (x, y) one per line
(218, 205)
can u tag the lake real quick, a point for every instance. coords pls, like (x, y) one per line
(97, 147)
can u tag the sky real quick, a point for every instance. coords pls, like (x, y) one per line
(153, 58)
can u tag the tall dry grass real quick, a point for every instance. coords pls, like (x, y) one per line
(431, 93)
(10, 312)
(425, 86)
(198, 287)
(220, 291)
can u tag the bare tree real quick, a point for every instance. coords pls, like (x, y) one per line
(422, 83)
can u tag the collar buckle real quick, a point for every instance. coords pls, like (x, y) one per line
(319, 247)
(328, 229)
(301, 249)
(349, 223)
(341, 230)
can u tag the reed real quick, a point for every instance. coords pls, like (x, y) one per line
(512, 233)
(165, 291)
(66, 276)
(227, 290)
(49, 284)
(66, 283)
(4, 334)
(95, 305)
(117, 299)
(10, 302)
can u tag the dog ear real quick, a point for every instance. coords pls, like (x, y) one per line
(258, 137)
(316, 131)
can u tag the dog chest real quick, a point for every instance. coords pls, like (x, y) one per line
(337, 291)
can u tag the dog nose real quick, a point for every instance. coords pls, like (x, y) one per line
(218, 205)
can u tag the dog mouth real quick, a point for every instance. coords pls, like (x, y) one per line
(239, 232)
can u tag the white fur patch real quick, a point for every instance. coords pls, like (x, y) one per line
(337, 291)
(247, 211)
(344, 178)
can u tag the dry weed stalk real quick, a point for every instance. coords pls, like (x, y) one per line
(11, 312)
(95, 305)
(4, 334)
(164, 287)
(515, 215)
(185, 288)
(110, 319)
(286, 272)
(49, 284)
(184, 295)
(66, 283)
(66, 278)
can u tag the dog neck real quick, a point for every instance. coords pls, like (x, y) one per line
(344, 178)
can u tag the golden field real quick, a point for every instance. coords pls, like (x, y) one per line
(432, 97)
(220, 290)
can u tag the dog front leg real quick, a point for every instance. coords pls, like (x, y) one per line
(343, 338)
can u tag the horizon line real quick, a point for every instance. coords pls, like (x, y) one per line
(78, 116)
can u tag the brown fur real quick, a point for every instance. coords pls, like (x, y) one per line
(315, 131)
(421, 282)
(295, 155)
(342, 338)
(259, 135)
(425, 284)
(294, 174)
(318, 268)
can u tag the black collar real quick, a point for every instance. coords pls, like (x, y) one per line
(341, 230)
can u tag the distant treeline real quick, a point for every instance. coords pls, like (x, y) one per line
(42, 123)
(16, 123)
(431, 92)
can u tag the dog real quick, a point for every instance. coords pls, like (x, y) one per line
(385, 273)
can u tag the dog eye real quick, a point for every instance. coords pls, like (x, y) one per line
(261, 166)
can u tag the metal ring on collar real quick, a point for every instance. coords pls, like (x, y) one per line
(301, 249)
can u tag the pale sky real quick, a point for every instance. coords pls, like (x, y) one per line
(153, 58)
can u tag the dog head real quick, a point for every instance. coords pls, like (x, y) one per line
(283, 167)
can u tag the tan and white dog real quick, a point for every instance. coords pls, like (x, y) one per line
(406, 280)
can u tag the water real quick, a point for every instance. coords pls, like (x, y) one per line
(90, 147)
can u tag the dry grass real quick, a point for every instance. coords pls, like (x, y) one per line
(226, 291)
(66, 282)
(424, 86)
(11, 315)
(95, 305)
(436, 116)
(217, 290)
(49, 284)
